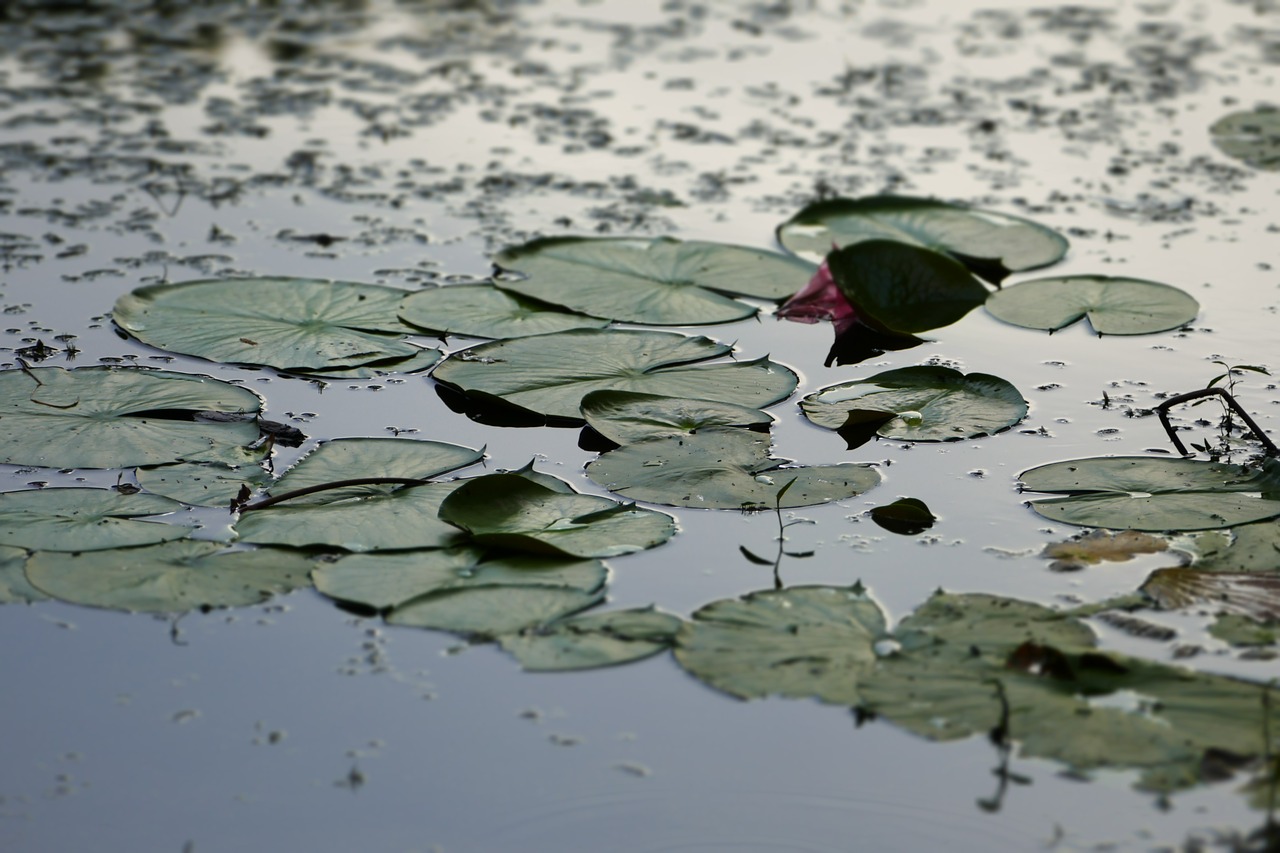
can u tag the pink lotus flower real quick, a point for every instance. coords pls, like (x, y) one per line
(820, 299)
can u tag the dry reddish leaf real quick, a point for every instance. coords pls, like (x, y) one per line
(1254, 596)
(1099, 545)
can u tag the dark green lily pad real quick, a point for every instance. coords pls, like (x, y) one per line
(550, 374)
(904, 289)
(1250, 135)
(906, 516)
(381, 581)
(593, 640)
(1113, 306)
(287, 323)
(660, 282)
(484, 311)
(202, 484)
(14, 586)
(801, 642)
(84, 519)
(991, 244)
(170, 578)
(917, 404)
(722, 469)
(512, 512)
(1151, 494)
(114, 417)
(626, 417)
(491, 611)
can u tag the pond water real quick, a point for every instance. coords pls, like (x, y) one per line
(406, 143)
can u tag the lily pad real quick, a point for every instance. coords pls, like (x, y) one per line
(1246, 548)
(512, 512)
(14, 586)
(927, 403)
(627, 417)
(114, 417)
(593, 640)
(816, 641)
(550, 374)
(423, 359)
(1253, 596)
(905, 516)
(1098, 546)
(287, 323)
(1151, 494)
(1250, 135)
(990, 244)
(491, 611)
(170, 578)
(723, 469)
(1113, 306)
(84, 519)
(484, 311)
(382, 581)
(1237, 630)
(382, 521)
(660, 282)
(202, 484)
(354, 458)
(902, 289)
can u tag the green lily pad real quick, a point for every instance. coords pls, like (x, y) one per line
(381, 581)
(903, 289)
(512, 512)
(801, 642)
(354, 458)
(917, 404)
(1113, 306)
(1250, 135)
(1246, 548)
(287, 323)
(382, 521)
(906, 516)
(491, 611)
(202, 484)
(593, 640)
(972, 664)
(722, 469)
(484, 311)
(991, 244)
(14, 586)
(1237, 630)
(114, 417)
(423, 359)
(170, 578)
(627, 417)
(84, 519)
(1150, 494)
(660, 282)
(550, 374)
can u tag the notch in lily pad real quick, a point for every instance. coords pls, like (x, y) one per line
(1113, 306)
(989, 244)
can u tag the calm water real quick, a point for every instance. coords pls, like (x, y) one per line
(402, 144)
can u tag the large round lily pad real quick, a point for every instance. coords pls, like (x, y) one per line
(287, 323)
(78, 519)
(490, 611)
(384, 580)
(1250, 135)
(1152, 494)
(928, 403)
(660, 282)
(723, 469)
(550, 374)
(991, 244)
(484, 311)
(593, 640)
(627, 417)
(173, 577)
(513, 512)
(112, 417)
(1113, 306)
(801, 642)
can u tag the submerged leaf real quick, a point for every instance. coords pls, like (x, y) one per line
(660, 282)
(551, 374)
(170, 578)
(1153, 494)
(723, 469)
(115, 417)
(990, 244)
(77, 519)
(1256, 597)
(1098, 546)
(1114, 306)
(510, 511)
(484, 311)
(593, 640)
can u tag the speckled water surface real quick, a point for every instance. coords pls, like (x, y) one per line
(404, 143)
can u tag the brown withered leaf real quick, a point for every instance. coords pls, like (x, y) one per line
(1240, 593)
(1100, 545)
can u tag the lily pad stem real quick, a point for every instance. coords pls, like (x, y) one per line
(1163, 411)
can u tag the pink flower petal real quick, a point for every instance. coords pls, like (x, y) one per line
(820, 299)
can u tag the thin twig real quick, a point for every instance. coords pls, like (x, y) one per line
(1163, 411)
